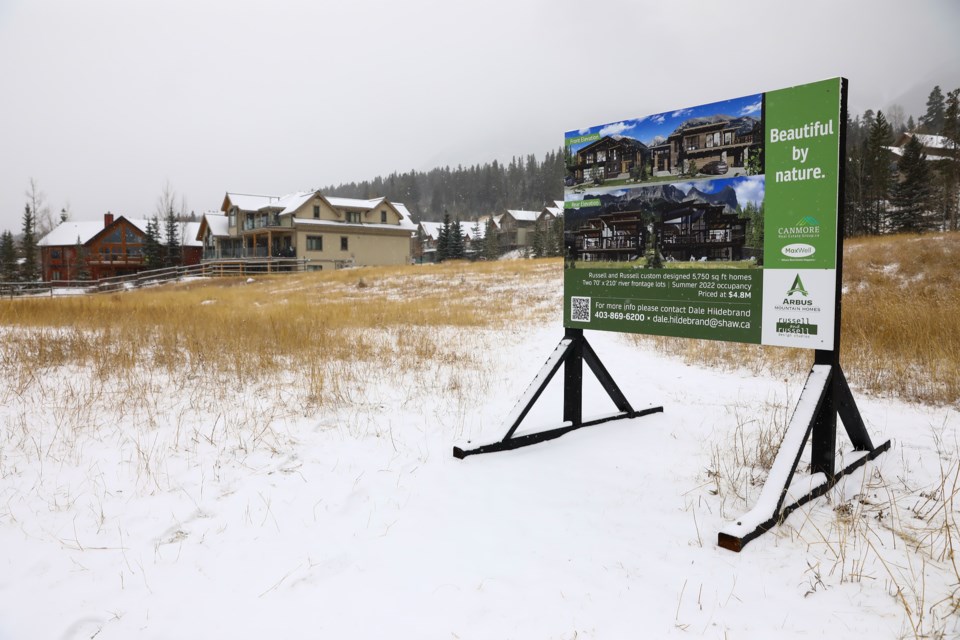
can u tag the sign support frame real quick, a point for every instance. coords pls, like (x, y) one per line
(572, 352)
(829, 395)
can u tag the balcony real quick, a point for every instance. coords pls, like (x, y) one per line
(261, 221)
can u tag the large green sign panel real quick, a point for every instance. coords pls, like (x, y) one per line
(717, 221)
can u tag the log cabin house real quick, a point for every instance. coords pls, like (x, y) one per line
(112, 248)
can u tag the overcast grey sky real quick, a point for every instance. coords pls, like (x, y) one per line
(106, 101)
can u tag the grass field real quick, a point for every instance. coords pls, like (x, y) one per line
(172, 456)
(901, 321)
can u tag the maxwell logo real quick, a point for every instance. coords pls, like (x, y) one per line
(798, 250)
(805, 227)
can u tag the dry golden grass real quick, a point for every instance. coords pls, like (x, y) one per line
(249, 330)
(901, 322)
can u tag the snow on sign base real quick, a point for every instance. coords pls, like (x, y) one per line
(776, 488)
(781, 493)
(717, 221)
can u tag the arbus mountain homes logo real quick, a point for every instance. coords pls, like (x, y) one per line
(805, 227)
(797, 295)
(798, 288)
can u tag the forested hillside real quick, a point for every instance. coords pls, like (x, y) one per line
(467, 192)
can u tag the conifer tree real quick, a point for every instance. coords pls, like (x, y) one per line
(172, 245)
(913, 195)
(28, 246)
(8, 257)
(537, 244)
(932, 121)
(491, 241)
(443, 239)
(81, 266)
(877, 165)
(950, 171)
(153, 250)
(556, 234)
(455, 247)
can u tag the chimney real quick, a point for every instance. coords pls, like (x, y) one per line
(107, 219)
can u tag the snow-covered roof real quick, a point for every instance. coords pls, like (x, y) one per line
(524, 216)
(898, 151)
(67, 233)
(402, 209)
(928, 141)
(189, 233)
(218, 224)
(250, 202)
(353, 203)
(432, 229)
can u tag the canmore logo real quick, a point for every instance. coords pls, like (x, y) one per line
(798, 287)
(798, 250)
(805, 227)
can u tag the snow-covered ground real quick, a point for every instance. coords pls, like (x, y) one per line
(247, 517)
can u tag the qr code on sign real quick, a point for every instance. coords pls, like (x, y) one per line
(579, 309)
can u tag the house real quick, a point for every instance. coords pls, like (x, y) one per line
(516, 228)
(616, 237)
(709, 140)
(936, 148)
(695, 230)
(326, 231)
(686, 231)
(609, 157)
(95, 250)
(550, 213)
(718, 145)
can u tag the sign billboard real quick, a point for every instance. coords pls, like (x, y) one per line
(718, 221)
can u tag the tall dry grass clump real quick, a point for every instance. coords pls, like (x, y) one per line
(901, 322)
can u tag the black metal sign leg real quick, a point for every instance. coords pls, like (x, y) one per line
(571, 353)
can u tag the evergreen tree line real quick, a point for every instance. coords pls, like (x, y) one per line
(467, 192)
(886, 194)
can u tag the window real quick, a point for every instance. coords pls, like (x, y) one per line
(314, 243)
(383, 217)
(55, 275)
(727, 138)
(55, 254)
(316, 211)
(233, 218)
(344, 243)
(353, 216)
